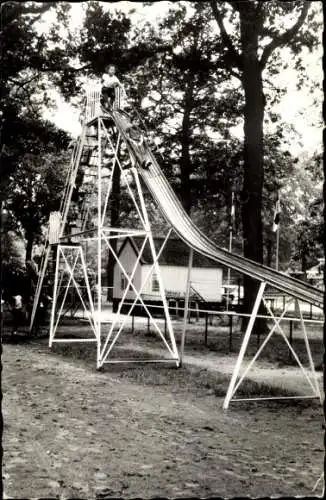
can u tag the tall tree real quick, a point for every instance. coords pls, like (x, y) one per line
(250, 50)
(30, 60)
(182, 93)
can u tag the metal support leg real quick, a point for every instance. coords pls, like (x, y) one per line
(294, 354)
(99, 239)
(157, 269)
(91, 305)
(311, 362)
(244, 345)
(42, 272)
(185, 312)
(206, 329)
(55, 292)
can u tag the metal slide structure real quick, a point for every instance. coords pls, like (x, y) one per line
(112, 141)
(176, 216)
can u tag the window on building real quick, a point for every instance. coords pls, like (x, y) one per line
(155, 283)
(124, 281)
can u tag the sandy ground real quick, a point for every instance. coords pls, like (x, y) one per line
(73, 432)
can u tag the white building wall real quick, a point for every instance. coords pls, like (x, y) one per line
(206, 281)
(127, 259)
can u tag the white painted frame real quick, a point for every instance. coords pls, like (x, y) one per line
(236, 379)
(103, 235)
(63, 251)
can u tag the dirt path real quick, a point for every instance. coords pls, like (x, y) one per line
(289, 378)
(72, 432)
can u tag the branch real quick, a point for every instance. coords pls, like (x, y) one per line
(32, 9)
(220, 64)
(81, 68)
(285, 38)
(271, 84)
(39, 9)
(235, 56)
(22, 84)
(238, 5)
(61, 68)
(234, 73)
(259, 8)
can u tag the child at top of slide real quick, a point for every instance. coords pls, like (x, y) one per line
(110, 79)
(109, 82)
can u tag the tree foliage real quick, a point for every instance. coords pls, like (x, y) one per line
(34, 191)
(31, 62)
(251, 50)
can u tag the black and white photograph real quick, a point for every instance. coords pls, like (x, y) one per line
(162, 249)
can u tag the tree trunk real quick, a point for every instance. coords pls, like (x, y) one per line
(29, 245)
(269, 256)
(185, 161)
(115, 222)
(253, 152)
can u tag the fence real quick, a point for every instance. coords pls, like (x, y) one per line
(229, 315)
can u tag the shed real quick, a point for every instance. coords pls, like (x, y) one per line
(206, 275)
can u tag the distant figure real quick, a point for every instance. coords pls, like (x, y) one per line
(109, 83)
(18, 313)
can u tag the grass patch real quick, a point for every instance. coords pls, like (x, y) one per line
(200, 381)
(276, 351)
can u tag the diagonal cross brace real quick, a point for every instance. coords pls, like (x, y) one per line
(294, 354)
(139, 293)
(123, 175)
(138, 297)
(79, 294)
(66, 290)
(262, 345)
(129, 279)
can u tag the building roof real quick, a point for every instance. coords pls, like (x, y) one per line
(175, 253)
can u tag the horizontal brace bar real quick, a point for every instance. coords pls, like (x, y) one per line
(78, 234)
(65, 245)
(71, 286)
(123, 230)
(95, 118)
(89, 238)
(124, 235)
(229, 313)
(93, 238)
(273, 397)
(115, 361)
(74, 340)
